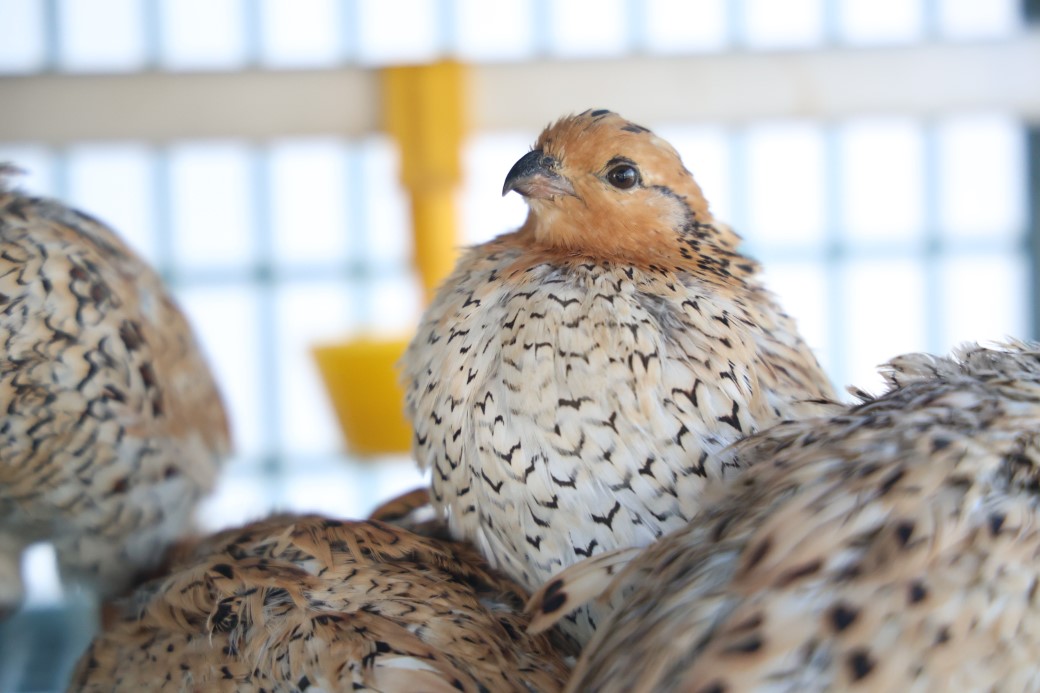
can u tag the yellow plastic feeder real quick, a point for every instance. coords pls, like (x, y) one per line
(361, 378)
(425, 112)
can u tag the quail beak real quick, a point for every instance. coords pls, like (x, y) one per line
(535, 176)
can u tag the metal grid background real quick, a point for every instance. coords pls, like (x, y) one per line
(881, 234)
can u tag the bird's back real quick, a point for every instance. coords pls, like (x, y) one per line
(288, 603)
(893, 547)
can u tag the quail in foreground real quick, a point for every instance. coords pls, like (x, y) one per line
(571, 381)
(294, 603)
(891, 547)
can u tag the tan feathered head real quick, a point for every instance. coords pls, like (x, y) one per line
(602, 186)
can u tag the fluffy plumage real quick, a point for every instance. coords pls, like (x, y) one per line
(570, 380)
(413, 511)
(112, 425)
(306, 603)
(895, 546)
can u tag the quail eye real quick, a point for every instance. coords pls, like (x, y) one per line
(623, 176)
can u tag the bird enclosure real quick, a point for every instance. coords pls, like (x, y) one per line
(881, 160)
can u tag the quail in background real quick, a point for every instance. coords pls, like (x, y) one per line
(112, 427)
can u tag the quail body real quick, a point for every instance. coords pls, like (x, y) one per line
(112, 426)
(571, 380)
(294, 603)
(893, 546)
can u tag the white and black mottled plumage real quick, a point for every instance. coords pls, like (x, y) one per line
(571, 380)
(892, 547)
(111, 426)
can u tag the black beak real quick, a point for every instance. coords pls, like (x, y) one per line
(535, 176)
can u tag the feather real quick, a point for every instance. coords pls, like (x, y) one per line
(338, 605)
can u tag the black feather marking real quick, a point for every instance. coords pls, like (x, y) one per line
(843, 616)
(860, 664)
(918, 592)
(554, 597)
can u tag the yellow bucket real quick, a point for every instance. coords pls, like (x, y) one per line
(361, 378)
